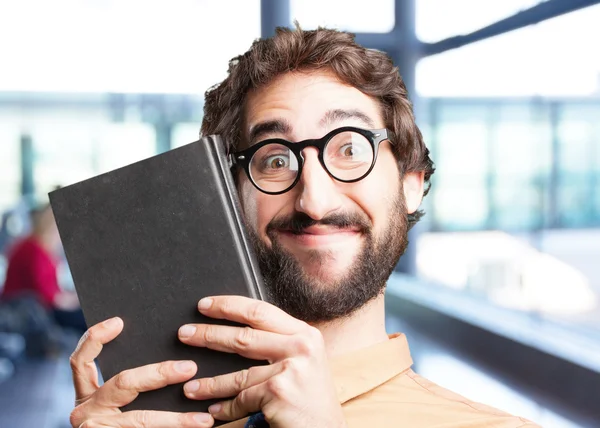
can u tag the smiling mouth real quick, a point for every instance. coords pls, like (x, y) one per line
(320, 235)
(321, 230)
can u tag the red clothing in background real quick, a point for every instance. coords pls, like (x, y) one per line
(31, 269)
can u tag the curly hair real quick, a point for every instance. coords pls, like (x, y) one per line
(368, 70)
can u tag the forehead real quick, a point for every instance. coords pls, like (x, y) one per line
(303, 98)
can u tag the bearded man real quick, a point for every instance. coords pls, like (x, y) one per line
(331, 170)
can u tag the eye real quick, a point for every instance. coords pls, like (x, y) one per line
(350, 150)
(276, 162)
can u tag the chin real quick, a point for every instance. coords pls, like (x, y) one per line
(325, 268)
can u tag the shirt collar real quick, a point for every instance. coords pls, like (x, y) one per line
(363, 370)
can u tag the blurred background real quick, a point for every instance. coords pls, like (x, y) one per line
(499, 292)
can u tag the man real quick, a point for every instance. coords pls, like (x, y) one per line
(331, 170)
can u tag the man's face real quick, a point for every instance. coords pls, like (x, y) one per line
(325, 247)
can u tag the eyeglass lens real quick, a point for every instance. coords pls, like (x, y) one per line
(347, 156)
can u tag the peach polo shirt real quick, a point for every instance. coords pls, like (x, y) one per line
(378, 389)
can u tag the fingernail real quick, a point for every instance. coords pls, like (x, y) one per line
(215, 408)
(192, 386)
(184, 366)
(187, 331)
(112, 323)
(201, 418)
(205, 303)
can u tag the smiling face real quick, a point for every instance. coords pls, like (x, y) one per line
(325, 247)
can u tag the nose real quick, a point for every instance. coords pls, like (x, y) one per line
(318, 193)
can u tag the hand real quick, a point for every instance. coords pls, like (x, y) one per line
(295, 390)
(99, 406)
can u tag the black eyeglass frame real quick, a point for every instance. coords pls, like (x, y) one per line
(374, 136)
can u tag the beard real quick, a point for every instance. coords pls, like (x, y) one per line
(313, 300)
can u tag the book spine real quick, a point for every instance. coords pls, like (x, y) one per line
(233, 208)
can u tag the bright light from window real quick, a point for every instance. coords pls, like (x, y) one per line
(554, 58)
(152, 46)
(358, 16)
(440, 19)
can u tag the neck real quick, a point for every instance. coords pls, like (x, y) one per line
(362, 329)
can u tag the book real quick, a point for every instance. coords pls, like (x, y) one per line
(146, 242)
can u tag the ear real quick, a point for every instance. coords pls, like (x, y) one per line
(413, 186)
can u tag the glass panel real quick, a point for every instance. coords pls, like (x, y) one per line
(518, 205)
(461, 150)
(578, 166)
(185, 133)
(574, 206)
(10, 165)
(522, 142)
(121, 144)
(65, 154)
(460, 204)
(460, 142)
(595, 181)
(521, 153)
(459, 195)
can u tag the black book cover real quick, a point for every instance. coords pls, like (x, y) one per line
(146, 242)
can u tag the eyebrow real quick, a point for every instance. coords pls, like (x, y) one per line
(279, 126)
(282, 126)
(337, 115)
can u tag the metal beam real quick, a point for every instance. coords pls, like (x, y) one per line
(553, 220)
(163, 130)
(273, 13)
(405, 56)
(27, 168)
(387, 42)
(534, 15)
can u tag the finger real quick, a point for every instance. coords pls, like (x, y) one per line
(248, 401)
(123, 388)
(85, 375)
(255, 313)
(151, 419)
(245, 341)
(231, 384)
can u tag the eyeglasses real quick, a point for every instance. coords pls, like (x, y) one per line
(348, 155)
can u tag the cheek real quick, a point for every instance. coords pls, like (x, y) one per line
(247, 194)
(377, 193)
(259, 209)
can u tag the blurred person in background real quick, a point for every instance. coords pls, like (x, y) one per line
(15, 222)
(32, 272)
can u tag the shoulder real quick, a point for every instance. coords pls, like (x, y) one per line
(25, 245)
(441, 395)
(31, 248)
(418, 402)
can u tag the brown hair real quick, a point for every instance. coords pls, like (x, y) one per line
(370, 71)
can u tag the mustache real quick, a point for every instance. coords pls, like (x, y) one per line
(297, 222)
